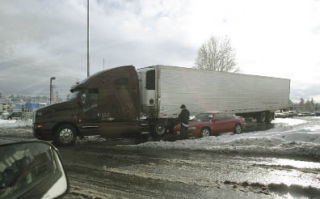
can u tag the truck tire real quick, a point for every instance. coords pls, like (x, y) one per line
(261, 118)
(65, 135)
(237, 129)
(205, 132)
(159, 129)
(269, 117)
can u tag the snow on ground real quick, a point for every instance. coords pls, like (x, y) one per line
(288, 121)
(289, 137)
(15, 123)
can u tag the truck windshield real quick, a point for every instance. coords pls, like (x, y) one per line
(74, 94)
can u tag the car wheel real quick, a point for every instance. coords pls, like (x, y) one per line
(65, 135)
(237, 129)
(205, 132)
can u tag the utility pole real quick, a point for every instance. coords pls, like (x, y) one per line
(51, 79)
(88, 60)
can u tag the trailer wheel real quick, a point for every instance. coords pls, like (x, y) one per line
(65, 135)
(237, 129)
(159, 129)
(270, 117)
(205, 132)
(261, 118)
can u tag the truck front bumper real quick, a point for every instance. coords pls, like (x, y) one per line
(41, 133)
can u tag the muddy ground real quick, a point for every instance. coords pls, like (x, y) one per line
(131, 168)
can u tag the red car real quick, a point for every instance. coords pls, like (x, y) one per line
(210, 123)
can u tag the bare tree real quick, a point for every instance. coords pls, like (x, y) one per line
(216, 55)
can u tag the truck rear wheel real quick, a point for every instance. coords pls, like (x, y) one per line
(65, 135)
(261, 118)
(159, 129)
(269, 117)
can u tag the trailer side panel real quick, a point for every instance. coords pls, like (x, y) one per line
(219, 91)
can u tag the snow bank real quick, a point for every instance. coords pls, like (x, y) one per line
(15, 123)
(295, 137)
(93, 138)
(289, 121)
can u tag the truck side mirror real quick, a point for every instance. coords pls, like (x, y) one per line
(83, 98)
(31, 170)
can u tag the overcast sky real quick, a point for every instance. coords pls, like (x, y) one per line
(44, 38)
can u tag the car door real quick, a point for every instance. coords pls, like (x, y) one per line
(221, 122)
(229, 122)
(217, 124)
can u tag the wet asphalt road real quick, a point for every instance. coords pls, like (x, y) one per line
(113, 169)
(107, 170)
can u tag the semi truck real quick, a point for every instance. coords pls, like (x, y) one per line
(125, 100)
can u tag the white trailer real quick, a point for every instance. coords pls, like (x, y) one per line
(164, 88)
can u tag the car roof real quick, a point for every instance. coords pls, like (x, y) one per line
(213, 112)
(4, 141)
(7, 141)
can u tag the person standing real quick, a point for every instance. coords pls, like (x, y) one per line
(184, 121)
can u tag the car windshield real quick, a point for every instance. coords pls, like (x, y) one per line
(203, 117)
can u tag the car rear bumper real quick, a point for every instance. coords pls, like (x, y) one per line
(191, 132)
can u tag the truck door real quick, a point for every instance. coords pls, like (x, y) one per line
(89, 111)
(119, 104)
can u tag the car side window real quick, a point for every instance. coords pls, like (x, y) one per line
(223, 116)
(218, 116)
(228, 116)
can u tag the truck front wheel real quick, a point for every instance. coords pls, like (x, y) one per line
(65, 135)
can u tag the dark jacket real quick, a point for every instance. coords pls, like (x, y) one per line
(184, 116)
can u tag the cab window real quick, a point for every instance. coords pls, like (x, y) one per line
(150, 80)
(90, 96)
